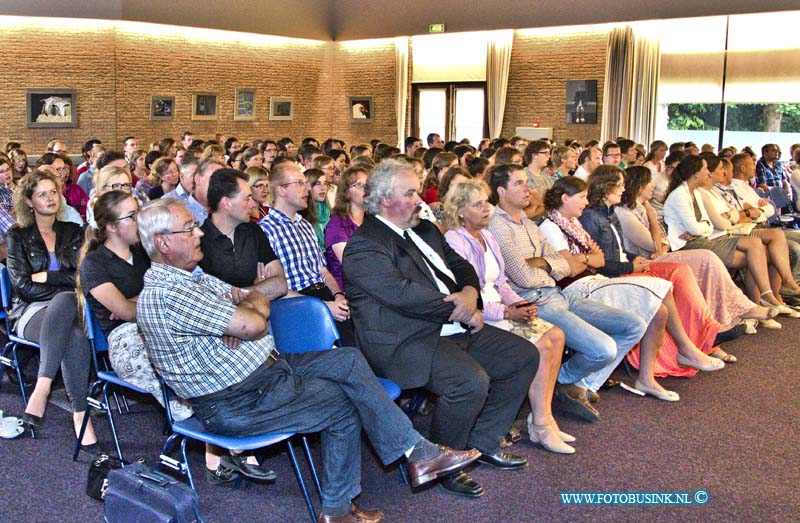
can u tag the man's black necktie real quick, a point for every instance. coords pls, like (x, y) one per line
(444, 278)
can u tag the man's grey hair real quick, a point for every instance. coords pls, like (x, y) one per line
(189, 162)
(380, 183)
(153, 219)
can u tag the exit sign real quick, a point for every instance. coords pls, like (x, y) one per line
(436, 28)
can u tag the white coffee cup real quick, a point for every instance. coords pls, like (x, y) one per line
(10, 425)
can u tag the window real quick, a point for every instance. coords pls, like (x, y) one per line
(453, 111)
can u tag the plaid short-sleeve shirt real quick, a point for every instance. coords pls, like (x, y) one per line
(182, 317)
(295, 243)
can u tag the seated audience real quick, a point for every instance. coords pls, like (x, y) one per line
(19, 163)
(317, 212)
(690, 228)
(599, 335)
(564, 161)
(166, 174)
(42, 258)
(74, 200)
(535, 159)
(258, 180)
(466, 215)
(692, 331)
(240, 388)
(589, 160)
(347, 216)
(440, 163)
(642, 236)
(415, 306)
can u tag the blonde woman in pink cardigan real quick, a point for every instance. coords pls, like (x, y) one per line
(466, 215)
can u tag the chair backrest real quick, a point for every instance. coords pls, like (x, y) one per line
(93, 330)
(779, 197)
(302, 324)
(5, 288)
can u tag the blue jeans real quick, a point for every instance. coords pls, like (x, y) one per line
(333, 392)
(600, 335)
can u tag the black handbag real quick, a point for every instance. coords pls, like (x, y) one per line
(97, 480)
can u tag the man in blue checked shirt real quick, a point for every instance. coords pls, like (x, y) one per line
(294, 241)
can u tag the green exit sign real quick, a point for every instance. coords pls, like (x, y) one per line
(436, 28)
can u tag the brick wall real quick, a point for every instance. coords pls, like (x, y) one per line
(116, 70)
(540, 67)
(40, 57)
(364, 69)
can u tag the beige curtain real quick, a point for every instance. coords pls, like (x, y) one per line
(498, 63)
(401, 87)
(630, 92)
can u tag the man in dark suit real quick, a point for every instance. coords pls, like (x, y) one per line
(414, 302)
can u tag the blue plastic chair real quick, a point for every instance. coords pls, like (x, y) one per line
(105, 379)
(780, 200)
(192, 428)
(305, 324)
(9, 355)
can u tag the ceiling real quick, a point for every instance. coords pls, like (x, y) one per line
(363, 19)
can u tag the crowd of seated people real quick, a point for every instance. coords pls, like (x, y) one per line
(460, 270)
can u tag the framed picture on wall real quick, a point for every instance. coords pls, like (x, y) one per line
(582, 101)
(361, 110)
(204, 106)
(280, 108)
(51, 108)
(245, 104)
(162, 107)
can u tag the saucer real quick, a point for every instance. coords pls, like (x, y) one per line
(16, 432)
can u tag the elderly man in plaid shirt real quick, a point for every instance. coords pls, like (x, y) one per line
(209, 342)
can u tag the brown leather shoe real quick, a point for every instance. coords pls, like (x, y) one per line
(448, 460)
(573, 400)
(356, 515)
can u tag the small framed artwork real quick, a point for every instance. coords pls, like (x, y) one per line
(582, 101)
(204, 106)
(51, 108)
(280, 108)
(245, 104)
(361, 109)
(162, 107)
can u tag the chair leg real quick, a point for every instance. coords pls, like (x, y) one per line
(186, 464)
(404, 473)
(314, 475)
(92, 392)
(111, 424)
(21, 382)
(301, 481)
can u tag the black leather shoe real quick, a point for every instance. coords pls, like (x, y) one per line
(503, 460)
(462, 484)
(238, 463)
(572, 399)
(220, 476)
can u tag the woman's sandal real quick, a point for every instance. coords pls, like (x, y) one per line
(724, 356)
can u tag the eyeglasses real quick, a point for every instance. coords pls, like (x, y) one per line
(259, 185)
(303, 183)
(357, 185)
(118, 186)
(543, 152)
(62, 169)
(190, 230)
(131, 217)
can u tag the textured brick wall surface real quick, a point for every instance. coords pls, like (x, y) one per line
(115, 71)
(540, 67)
